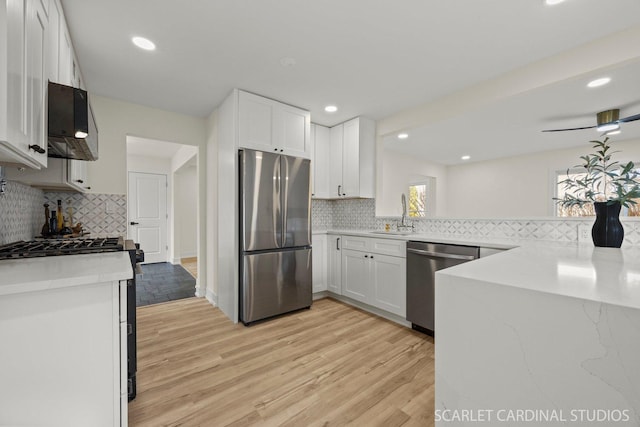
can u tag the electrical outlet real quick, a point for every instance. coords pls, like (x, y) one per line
(584, 233)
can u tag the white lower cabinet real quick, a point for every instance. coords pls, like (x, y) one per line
(356, 275)
(319, 262)
(389, 275)
(334, 259)
(371, 276)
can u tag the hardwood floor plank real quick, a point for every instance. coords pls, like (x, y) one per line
(329, 365)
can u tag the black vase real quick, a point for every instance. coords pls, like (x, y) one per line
(607, 231)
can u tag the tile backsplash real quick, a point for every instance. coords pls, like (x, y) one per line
(359, 214)
(21, 212)
(91, 211)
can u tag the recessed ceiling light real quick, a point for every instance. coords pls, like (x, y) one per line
(403, 135)
(143, 43)
(553, 2)
(465, 157)
(599, 82)
(330, 108)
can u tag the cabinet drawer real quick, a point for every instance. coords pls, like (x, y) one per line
(357, 243)
(389, 247)
(376, 246)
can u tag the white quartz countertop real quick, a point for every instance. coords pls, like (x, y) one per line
(577, 270)
(435, 238)
(606, 275)
(36, 274)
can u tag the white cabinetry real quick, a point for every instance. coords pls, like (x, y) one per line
(352, 157)
(24, 74)
(374, 272)
(320, 143)
(61, 174)
(268, 125)
(334, 258)
(319, 262)
(67, 336)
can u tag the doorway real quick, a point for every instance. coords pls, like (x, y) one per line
(162, 216)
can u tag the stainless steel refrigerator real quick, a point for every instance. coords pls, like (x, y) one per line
(275, 234)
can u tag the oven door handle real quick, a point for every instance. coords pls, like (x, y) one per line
(440, 254)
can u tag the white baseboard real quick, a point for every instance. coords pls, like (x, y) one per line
(211, 297)
(366, 307)
(320, 295)
(175, 261)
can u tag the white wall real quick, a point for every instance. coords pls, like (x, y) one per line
(185, 201)
(211, 235)
(117, 119)
(400, 170)
(519, 186)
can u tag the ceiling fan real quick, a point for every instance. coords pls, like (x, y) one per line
(607, 121)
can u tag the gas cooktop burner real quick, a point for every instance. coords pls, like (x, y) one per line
(40, 248)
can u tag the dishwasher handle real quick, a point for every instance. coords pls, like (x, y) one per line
(440, 254)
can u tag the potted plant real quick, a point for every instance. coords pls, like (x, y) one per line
(607, 184)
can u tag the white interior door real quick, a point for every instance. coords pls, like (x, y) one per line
(148, 214)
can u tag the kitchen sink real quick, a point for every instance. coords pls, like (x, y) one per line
(397, 233)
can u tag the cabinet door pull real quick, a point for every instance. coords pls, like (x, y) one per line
(281, 150)
(37, 148)
(338, 244)
(371, 256)
(366, 256)
(275, 149)
(339, 190)
(79, 181)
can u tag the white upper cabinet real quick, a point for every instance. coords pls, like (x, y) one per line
(320, 162)
(268, 125)
(335, 160)
(352, 158)
(60, 174)
(23, 76)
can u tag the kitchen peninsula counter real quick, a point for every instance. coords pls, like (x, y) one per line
(549, 328)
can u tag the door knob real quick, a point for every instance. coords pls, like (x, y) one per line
(134, 223)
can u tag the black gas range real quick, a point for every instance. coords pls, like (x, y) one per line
(58, 247)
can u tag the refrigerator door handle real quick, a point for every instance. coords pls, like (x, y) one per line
(278, 211)
(284, 200)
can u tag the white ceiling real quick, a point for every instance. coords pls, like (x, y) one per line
(371, 58)
(512, 126)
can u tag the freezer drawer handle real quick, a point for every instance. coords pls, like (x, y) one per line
(130, 386)
(440, 254)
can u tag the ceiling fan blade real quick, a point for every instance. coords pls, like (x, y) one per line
(562, 130)
(630, 119)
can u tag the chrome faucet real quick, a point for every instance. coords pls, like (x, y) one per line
(3, 182)
(403, 226)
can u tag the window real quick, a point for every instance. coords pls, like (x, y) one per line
(587, 208)
(418, 200)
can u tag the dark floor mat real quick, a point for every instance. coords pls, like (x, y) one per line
(162, 282)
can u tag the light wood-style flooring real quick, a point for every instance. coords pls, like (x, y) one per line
(191, 265)
(331, 365)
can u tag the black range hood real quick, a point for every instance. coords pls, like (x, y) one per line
(72, 129)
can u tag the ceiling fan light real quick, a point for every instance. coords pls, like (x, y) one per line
(608, 127)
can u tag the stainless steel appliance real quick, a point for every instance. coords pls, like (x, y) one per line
(423, 260)
(56, 247)
(275, 234)
(72, 129)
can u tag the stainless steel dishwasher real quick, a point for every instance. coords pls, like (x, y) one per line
(423, 260)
